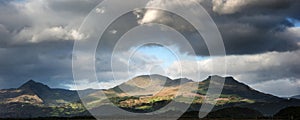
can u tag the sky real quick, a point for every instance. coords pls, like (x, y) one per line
(294, 21)
(261, 38)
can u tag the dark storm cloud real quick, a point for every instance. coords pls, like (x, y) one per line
(52, 24)
(247, 27)
(240, 38)
(251, 7)
(49, 62)
(257, 27)
(24, 21)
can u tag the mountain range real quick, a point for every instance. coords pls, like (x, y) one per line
(296, 97)
(145, 93)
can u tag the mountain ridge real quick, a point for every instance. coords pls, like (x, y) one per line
(134, 95)
(296, 97)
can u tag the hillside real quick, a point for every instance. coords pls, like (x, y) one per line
(34, 99)
(144, 94)
(147, 99)
(38, 93)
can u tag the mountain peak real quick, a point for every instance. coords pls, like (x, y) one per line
(31, 84)
(228, 79)
(151, 76)
(231, 79)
